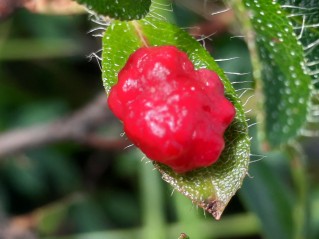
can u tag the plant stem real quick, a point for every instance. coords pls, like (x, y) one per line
(152, 203)
(301, 212)
(189, 219)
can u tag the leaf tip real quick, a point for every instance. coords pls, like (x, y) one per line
(214, 207)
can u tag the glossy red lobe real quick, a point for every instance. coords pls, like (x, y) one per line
(175, 114)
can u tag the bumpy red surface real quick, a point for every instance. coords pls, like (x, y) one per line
(175, 114)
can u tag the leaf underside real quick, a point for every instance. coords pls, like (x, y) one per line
(212, 187)
(285, 83)
(119, 9)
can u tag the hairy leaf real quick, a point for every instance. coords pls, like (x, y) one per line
(304, 15)
(211, 188)
(285, 82)
(119, 9)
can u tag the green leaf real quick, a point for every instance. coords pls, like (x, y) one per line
(304, 16)
(285, 82)
(119, 9)
(211, 188)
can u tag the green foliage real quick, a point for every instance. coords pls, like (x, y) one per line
(304, 16)
(36, 170)
(285, 82)
(267, 195)
(69, 189)
(272, 204)
(211, 188)
(119, 9)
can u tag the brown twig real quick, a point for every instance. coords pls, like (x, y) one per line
(77, 127)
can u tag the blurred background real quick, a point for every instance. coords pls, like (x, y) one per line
(66, 171)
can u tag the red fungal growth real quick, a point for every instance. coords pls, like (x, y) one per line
(175, 114)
